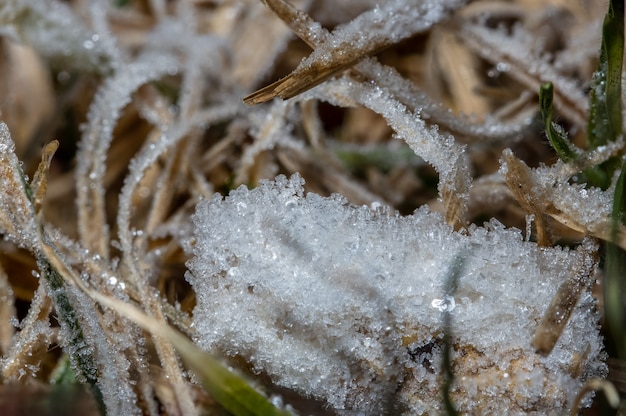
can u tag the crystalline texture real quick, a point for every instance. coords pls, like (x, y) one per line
(17, 217)
(345, 304)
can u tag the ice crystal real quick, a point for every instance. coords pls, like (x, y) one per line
(345, 304)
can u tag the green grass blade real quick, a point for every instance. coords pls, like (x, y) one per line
(605, 111)
(595, 176)
(229, 389)
(556, 135)
(615, 272)
(67, 315)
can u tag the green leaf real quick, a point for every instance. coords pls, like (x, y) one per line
(605, 112)
(556, 134)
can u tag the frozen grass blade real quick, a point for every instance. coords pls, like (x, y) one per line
(451, 284)
(605, 114)
(560, 142)
(556, 135)
(81, 356)
(605, 125)
(366, 35)
(595, 384)
(230, 390)
(562, 306)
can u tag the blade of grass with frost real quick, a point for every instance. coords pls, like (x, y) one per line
(229, 389)
(30, 231)
(605, 124)
(82, 357)
(559, 141)
(605, 113)
(369, 33)
(313, 34)
(451, 284)
(615, 273)
(556, 135)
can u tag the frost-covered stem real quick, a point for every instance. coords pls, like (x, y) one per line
(386, 25)
(24, 342)
(149, 154)
(451, 284)
(446, 156)
(80, 355)
(314, 35)
(104, 112)
(529, 70)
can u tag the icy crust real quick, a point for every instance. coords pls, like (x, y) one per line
(345, 304)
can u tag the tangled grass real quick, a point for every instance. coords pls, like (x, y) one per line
(141, 107)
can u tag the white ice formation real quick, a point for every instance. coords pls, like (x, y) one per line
(345, 304)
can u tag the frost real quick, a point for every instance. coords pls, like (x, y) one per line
(514, 52)
(56, 31)
(441, 151)
(103, 114)
(16, 212)
(345, 304)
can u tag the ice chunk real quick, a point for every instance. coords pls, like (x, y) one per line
(345, 304)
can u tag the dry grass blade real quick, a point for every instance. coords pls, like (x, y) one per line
(7, 312)
(558, 313)
(530, 70)
(348, 45)
(39, 184)
(519, 179)
(314, 35)
(254, 59)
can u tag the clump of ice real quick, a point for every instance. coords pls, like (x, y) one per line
(345, 304)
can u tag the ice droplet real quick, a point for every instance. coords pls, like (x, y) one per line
(447, 304)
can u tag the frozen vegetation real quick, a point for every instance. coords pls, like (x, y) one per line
(351, 203)
(346, 304)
